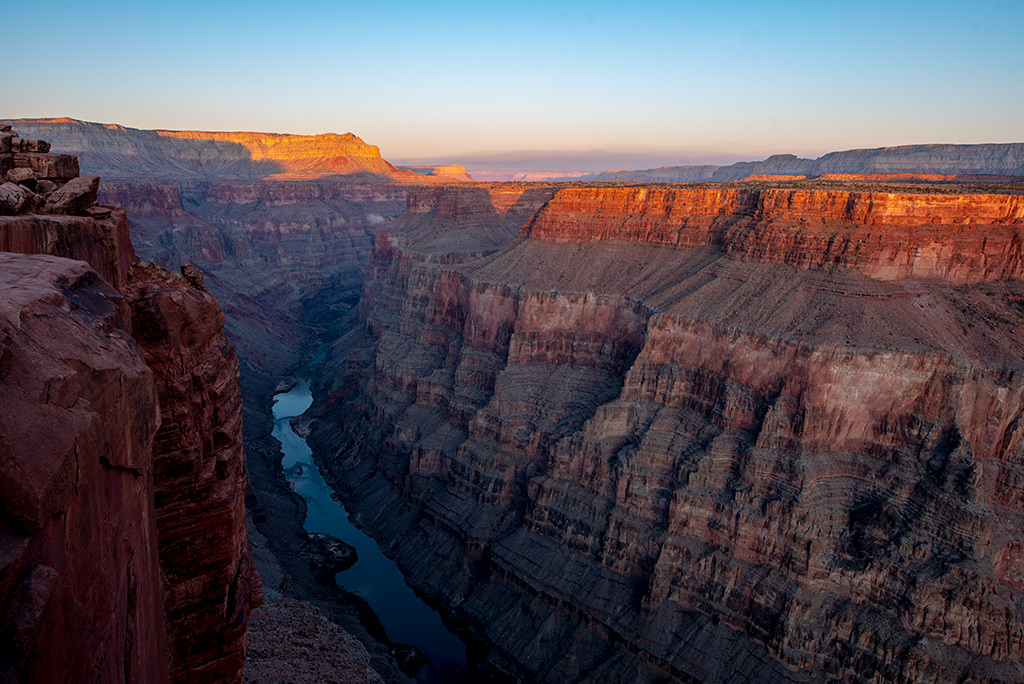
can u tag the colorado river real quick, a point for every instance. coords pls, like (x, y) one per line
(374, 577)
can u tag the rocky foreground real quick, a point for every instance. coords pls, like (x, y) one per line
(125, 554)
(705, 434)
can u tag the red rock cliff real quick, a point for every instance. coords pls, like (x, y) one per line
(80, 588)
(613, 450)
(958, 238)
(197, 465)
(183, 502)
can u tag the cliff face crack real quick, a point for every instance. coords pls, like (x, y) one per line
(115, 466)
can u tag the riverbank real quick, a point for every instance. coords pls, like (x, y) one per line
(276, 513)
(407, 620)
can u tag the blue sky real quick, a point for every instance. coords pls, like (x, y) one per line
(545, 83)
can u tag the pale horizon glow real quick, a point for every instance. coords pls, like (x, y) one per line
(534, 83)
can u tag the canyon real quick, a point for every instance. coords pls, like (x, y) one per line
(703, 434)
(707, 432)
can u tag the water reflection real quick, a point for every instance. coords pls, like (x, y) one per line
(406, 618)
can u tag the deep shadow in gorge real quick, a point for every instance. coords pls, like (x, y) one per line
(290, 275)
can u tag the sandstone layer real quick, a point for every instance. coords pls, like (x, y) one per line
(957, 238)
(80, 587)
(280, 256)
(198, 469)
(957, 160)
(700, 434)
(145, 512)
(120, 152)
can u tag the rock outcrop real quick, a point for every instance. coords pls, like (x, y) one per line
(293, 642)
(956, 238)
(80, 588)
(687, 434)
(198, 470)
(272, 252)
(126, 541)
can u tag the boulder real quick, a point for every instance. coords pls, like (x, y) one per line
(52, 166)
(23, 145)
(23, 177)
(193, 275)
(74, 197)
(13, 198)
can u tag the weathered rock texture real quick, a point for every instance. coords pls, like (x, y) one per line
(197, 461)
(292, 642)
(80, 589)
(142, 515)
(888, 236)
(706, 435)
(271, 251)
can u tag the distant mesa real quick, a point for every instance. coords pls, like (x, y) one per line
(117, 152)
(774, 177)
(450, 172)
(120, 153)
(906, 162)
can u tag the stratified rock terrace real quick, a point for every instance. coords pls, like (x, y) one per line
(704, 433)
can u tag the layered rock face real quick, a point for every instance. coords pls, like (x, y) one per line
(687, 434)
(119, 152)
(198, 468)
(80, 588)
(958, 160)
(126, 542)
(271, 251)
(957, 238)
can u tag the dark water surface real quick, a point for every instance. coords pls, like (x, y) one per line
(406, 618)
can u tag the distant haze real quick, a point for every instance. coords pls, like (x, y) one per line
(586, 85)
(505, 165)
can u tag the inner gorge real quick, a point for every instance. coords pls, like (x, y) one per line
(372, 576)
(763, 428)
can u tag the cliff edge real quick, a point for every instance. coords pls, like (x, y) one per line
(123, 487)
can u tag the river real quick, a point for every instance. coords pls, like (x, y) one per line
(407, 619)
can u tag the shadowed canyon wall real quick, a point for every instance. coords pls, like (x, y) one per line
(700, 434)
(123, 487)
(286, 260)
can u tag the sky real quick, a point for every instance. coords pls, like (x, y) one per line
(543, 85)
